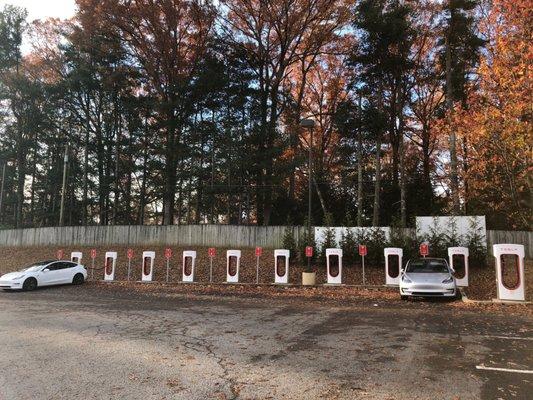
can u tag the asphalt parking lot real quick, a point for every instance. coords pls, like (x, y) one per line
(94, 342)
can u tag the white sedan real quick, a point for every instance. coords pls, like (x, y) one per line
(427, 277)
(44, 273)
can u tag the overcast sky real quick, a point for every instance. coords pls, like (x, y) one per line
(40, 9)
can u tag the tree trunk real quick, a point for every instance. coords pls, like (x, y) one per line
(86, 170)
(426, 169)
(377, 167)
(465, 170)
(320, 197)
(200, 184)
(142, 194)
(170, 177)
(377, 183)
(21, 172)
(269, 167)
(359, 167)
(32, 190)
(403, 179)
(116, 204)
(454, 178)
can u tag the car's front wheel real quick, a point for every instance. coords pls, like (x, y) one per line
(78, 279)
(403, 297)
(29, 284)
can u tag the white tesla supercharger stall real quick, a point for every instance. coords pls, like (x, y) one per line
(76, 257)
(147, 272)
(109, 265)
(334, 277)
(393, 256)
(510, 271)
(233, 263)
(281, 266)
(189, 264)
(461, 252)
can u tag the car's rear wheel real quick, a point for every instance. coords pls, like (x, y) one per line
(403, 297)
(29, 284)
(78, 279)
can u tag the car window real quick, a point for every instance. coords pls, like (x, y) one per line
(52, 267)
(59, 265)
(427, 266)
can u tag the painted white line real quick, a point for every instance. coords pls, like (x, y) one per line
(518, 371)
(509, 337)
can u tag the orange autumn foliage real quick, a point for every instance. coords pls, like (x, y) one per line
(497, 123)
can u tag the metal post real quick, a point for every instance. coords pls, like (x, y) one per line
(167, 268)
(210, 269)
(2, 188)
(363, 270)
(257, 272)
(308, 123)
(64, 188)
(129, 268)
(92, 269)
(310, 195)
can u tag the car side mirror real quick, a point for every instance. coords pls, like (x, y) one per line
(46, 270)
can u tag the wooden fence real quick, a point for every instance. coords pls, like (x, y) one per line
(172, 235)
(190, 235)
(516, 237)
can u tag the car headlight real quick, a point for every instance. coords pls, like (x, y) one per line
(16, 278)
(448, 280)
(406, 279)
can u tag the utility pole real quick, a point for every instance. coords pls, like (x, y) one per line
(2, 189)
(309, 124)
(64, 188)
(309, 212)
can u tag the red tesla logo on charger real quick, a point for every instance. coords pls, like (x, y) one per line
(93, 253)
(362, 250)
(258, 251)
(309, 251)
(212, 252)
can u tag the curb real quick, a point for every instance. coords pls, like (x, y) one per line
(465, 299)
(290, 285)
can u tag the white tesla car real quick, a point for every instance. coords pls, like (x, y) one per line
(427, 277)
(44, 273)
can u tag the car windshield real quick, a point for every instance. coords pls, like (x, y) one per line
(35, 267)
(427, 266)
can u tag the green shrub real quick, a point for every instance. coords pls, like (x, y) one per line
(437, 240)
(376, 243)
(348, 245)
(289, 242)
(409, 243)
(474, 241)
(328, 241)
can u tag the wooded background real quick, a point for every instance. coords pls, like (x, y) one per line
(187, 112)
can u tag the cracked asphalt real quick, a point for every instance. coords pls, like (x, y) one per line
(95, 342)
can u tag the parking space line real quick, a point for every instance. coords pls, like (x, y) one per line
(509, 337)
(518, 371)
